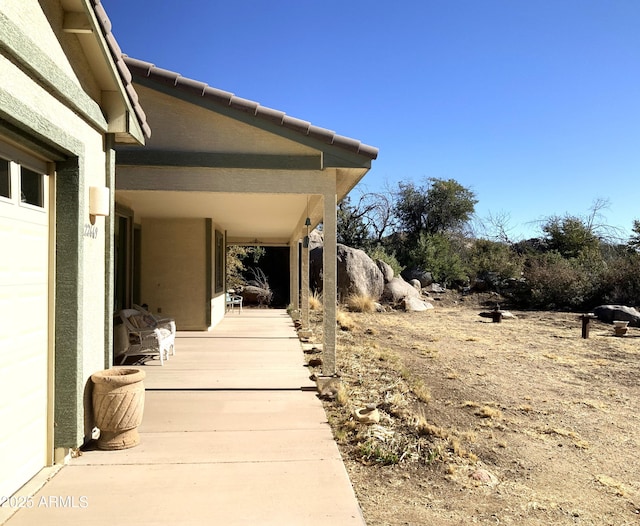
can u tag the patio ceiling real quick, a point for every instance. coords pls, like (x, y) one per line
(248, 218)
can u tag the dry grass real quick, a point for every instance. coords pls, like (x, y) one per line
(361, 303)
(553, 416)
(315, 301)
(344, 321)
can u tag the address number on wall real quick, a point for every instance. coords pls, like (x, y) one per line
(90, 231)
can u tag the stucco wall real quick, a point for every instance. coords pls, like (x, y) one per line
(173, 270)
(80, 253)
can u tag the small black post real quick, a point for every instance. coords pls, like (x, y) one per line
(586, 318)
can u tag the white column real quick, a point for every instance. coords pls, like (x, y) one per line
(329, 284)
(304, 293)
(294, 282)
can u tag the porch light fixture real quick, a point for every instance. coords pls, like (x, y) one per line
(307, 223)
(99, 202)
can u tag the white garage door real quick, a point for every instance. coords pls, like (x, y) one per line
(24, 317)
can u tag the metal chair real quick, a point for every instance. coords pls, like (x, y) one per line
(233, 300)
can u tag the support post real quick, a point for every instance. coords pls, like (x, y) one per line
(305, 288)
(329, 284)
(294, 280)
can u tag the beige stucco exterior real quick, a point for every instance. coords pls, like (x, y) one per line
(53, 83)
(174, 273)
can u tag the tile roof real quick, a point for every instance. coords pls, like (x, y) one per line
(224, 98)
(123, 70)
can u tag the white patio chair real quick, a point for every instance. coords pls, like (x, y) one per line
(233, 300)
(135, 337)
(161, 323)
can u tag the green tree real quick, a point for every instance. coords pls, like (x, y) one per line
(440, 255)
(236, 257)
(437, 207)
(487, 257)
(351, 227)
(634, 240)
(570, 236)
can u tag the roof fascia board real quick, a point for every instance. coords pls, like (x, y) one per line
(122, 122)
(339, 156)
(345, 161)
(144, 157)
(17, 45)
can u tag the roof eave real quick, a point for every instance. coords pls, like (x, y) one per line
(343, 151)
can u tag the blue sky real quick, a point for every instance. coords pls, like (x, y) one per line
(533, 105)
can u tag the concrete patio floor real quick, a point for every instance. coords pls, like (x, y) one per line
(233, 433)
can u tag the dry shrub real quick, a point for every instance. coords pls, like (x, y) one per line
(315, 301)
(361, 303)
(426, 429)
(489, 412)
(342, 396)
(345, 322)
(422, 392)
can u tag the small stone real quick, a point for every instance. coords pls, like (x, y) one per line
(485, 477)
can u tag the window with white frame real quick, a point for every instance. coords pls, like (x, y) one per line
(22, 177)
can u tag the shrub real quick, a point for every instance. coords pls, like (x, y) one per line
(389, 257)
(315, 301)
(438, 254)
(361, 303)
(344, 321)
(555, 282)
(620, 282)
(493, 257)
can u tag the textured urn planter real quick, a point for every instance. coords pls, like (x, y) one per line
(620, 328)
(118, 405)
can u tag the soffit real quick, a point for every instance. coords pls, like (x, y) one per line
(256, 218)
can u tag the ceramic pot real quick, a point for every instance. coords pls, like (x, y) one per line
(118, 405)
(620, 328)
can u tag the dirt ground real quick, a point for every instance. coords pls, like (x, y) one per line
(520, 422)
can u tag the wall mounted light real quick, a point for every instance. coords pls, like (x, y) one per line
(99, 202)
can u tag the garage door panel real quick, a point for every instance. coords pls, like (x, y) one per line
(27, 261)
(24, 343)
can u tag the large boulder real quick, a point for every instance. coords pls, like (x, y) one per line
(357, 273)
(397, 290)
(412, 304)
(315, 239)
(252, 295)
(425, 278)
(386, 269)
(609, 313)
